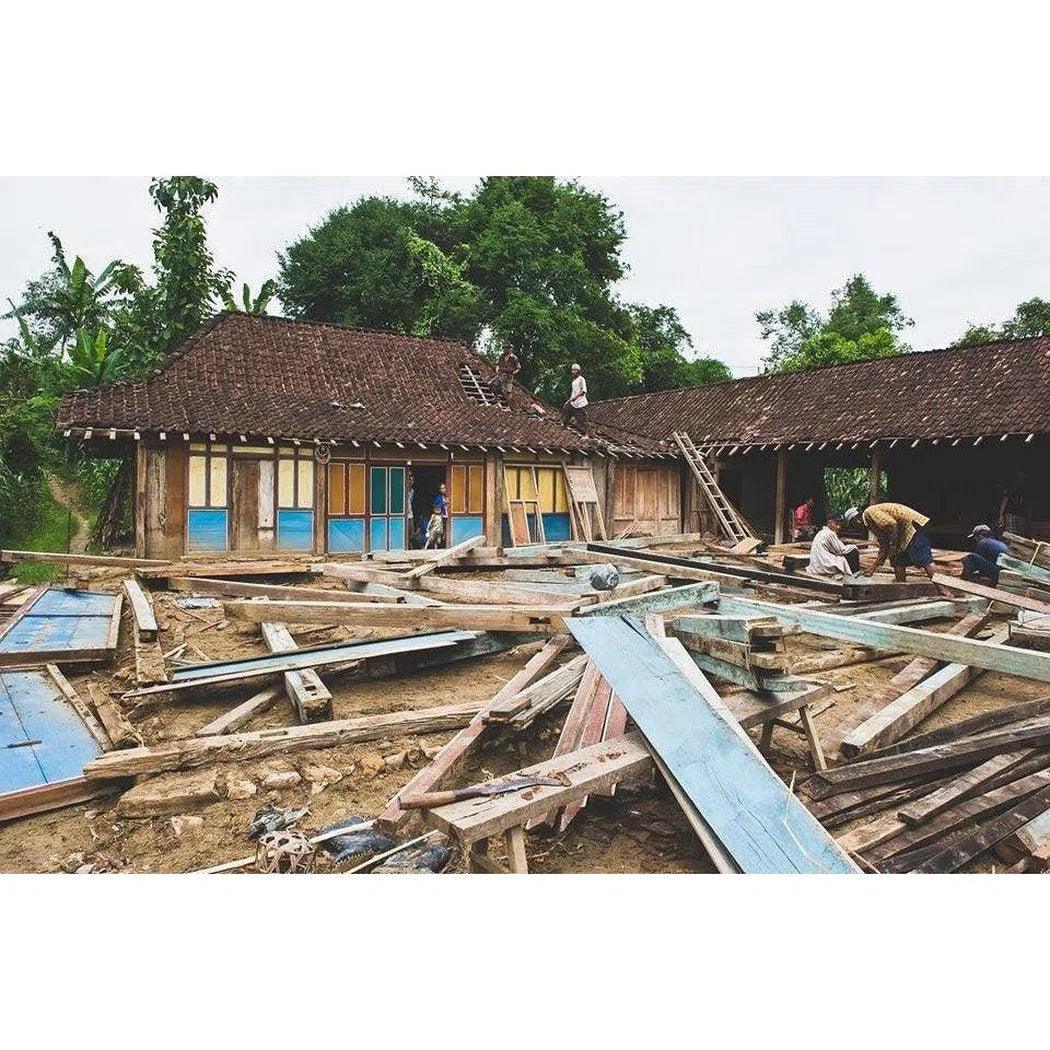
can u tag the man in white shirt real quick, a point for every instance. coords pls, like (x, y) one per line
(829, 556)
(574, 411)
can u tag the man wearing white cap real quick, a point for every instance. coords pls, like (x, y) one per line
(574, 411)
(986, 551)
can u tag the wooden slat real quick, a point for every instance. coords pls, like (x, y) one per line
(82, 559)
(659, 601)
(238, 588)
(242, 714)
(451, 554)
(1018, 601)
(141, 610)
(441, 765)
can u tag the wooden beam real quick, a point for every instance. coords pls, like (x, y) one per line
(309, 695)
(431, 776)
(82, 559)
(541, 618)
(1018, 601)
(243, 747)
(451, 554)
(238, 588)
(141, 610)
(242, 714)
(659, 601)
(948, 648)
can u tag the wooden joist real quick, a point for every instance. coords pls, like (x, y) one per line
(1036, 573)
(657, 601)
(995, 594)
(539, 696)
(430, 777)
(242, 714)
(450, 554)
(243, 747)
(533, 618)
(948, 648)
(141, 609)
(215, 569)
(309, 695)
(82, 559)
(238, 588)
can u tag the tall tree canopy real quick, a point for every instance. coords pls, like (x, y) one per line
(522, 261)
(860, 325)
(1031, 318)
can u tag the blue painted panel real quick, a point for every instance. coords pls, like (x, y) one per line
(52, 623)
(295, 530)
(206, 530)
(346, 534)
(557, 527)
(377, 534)
(32, 708)
(762, 825)
(397, 534)
(465, 527)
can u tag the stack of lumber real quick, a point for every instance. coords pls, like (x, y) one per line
(944, 799)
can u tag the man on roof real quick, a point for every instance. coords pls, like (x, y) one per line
(507, 368)
(898, 528)
(574, 411)
(983, 562)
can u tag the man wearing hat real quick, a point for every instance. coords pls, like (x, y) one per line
(898, 529)
(574, 411)
(983, 561)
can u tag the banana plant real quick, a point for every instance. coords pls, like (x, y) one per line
(92, 360)
(249, 305)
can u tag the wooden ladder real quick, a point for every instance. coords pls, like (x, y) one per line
(474, 388)
(733, 525)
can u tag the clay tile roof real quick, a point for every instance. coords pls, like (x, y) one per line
(998, 388)
(275, 377)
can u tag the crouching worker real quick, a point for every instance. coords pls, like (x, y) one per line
(901, 540)
(983, 561)
(829, 556)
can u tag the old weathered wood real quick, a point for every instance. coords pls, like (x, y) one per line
(227, 567)
(740, 654)
(42, 798)
(485, 591)
(845, 657)
(521, 708)
(451, 753)
(309, 695)
(98, 731)
(238, 588)
(450, 554)
(733, 628)
(1018, 601)
(949, 648)
(658, 601)
(531, 618)
(242, 747)
(583, 772)
(141, 610)
(242, 714)
(590, 733)
(82, 559)
(633, 588)
(118, 728)
(949, 794)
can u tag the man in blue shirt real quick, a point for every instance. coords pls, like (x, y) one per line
(986, 551)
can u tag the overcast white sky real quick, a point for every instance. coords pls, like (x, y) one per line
(955, 250)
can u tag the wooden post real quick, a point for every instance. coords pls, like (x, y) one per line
(321, 507)
(138, 500)
(780, 511)
(493, 500)
(873, 480)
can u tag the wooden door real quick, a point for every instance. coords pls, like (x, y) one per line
(244, 504)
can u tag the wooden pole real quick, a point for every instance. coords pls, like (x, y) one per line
(780, 511)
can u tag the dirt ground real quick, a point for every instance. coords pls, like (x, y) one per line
(639, 829)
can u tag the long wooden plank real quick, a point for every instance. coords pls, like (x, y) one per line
(761, 824)
(242, 747)
(238, 588)
(583, 772)
(141, 610)
(451, 554)
(309, 695)
(949, 648)
(498, 593)
(949, 794)
(532, 618)
(82, 559)
(214, 569)
(1034, 572)
(242, 714)
(42, 798)
(590, 733)
(441, 765)
(1018, 601)
(659, 601)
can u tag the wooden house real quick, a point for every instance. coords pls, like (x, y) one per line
(262, 435)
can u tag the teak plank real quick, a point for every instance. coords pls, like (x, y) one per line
(242, 714)
(238, 588)
(451, 554)
(141, 610)
(1018, 601)
(309, 695)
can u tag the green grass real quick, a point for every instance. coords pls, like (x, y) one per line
(50, 535)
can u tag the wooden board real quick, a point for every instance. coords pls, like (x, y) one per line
(694, 594)
(1018, 601)
(244, 504)
(761, 825)
(141, 609)
(55, 558)
(242, 714)
(451, 554)
(309, 695)
(238, 588)
(62, 626)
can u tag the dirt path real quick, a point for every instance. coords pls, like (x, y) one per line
(67, 494)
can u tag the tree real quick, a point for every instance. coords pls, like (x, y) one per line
(1031, 318)
(521, 261)
(667, 349)
(860, 325)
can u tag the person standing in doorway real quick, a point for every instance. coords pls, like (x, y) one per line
(410, 495)
(441, 505)
(574, 411)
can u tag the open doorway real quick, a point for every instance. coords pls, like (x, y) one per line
(426, 482)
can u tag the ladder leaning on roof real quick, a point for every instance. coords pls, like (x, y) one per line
(733, 524)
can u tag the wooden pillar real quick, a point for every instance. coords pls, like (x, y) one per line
(321, 506)
(780, 511)
(138, 500)
(873, 480)
(493, 499)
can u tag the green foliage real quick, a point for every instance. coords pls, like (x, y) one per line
(51, 530)
(861, 325)
(1031, 318)
(529, 262)
(846, 487)
(250, 304)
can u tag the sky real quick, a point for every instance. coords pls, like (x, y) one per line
(954, 250)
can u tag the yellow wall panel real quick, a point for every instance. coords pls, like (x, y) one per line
(337, 489)
(306, 483)
(356, 489)
(286, 483)
(198, 490)
(218, 481)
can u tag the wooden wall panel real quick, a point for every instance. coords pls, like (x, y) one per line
(267, 514)
(647, 498)
(175, 499)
